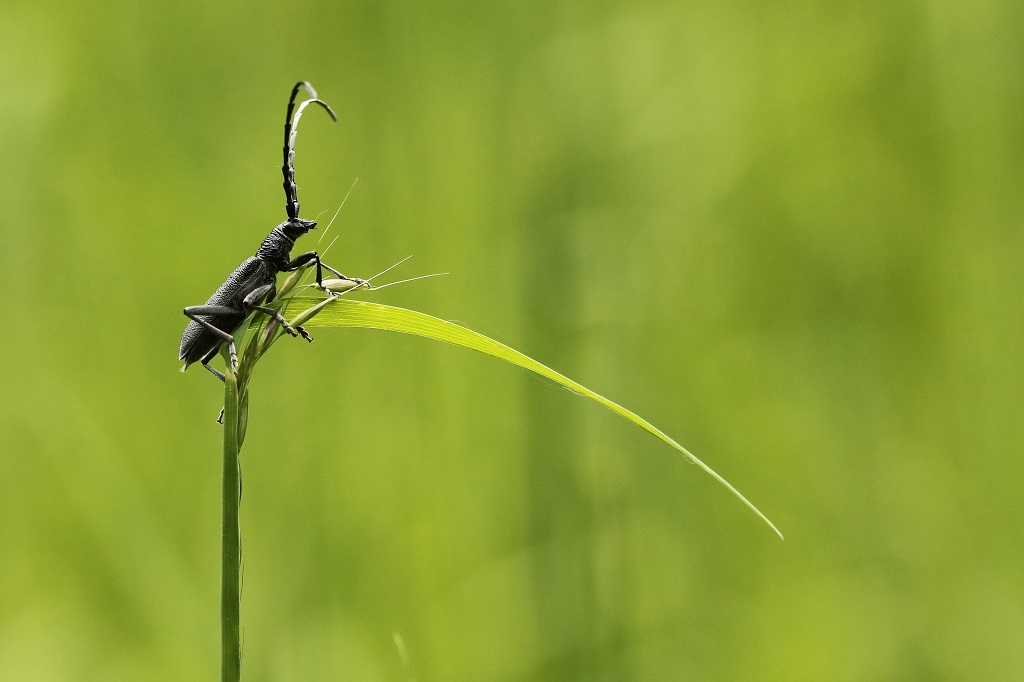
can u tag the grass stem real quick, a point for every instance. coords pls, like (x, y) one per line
(231, 548)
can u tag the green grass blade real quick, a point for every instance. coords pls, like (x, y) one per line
(349, 313)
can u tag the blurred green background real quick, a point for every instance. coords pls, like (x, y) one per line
(789, 234)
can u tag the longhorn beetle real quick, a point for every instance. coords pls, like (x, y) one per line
(252, 285)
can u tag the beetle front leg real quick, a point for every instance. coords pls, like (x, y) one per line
(299, 261)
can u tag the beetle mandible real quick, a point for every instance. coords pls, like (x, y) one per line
(252, 285)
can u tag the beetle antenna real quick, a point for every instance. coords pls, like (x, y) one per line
(291, 129)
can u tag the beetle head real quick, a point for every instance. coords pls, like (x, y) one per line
(296, 227)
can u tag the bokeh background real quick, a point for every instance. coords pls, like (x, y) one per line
(789, 234)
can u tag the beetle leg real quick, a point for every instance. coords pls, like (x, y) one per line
(252, 302)
(284, 324)
(193, 311)
(357, 280)
(205, 362)
(299, 261)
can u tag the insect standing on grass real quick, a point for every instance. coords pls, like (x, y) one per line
(252, 285)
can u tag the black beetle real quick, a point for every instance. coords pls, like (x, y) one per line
(252, 284)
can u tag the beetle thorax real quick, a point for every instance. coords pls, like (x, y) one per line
(278, 245)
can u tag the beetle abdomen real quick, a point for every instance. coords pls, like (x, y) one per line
(197, 340)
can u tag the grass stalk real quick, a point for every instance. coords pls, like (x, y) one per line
(231, 548)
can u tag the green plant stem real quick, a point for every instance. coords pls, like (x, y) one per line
(231, 549)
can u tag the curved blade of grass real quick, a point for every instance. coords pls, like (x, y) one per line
(314, 312)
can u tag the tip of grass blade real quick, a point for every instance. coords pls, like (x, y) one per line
(750, 505)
